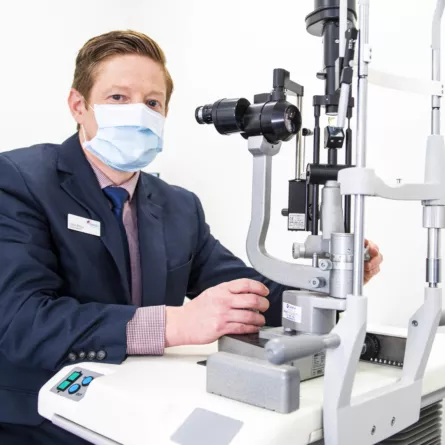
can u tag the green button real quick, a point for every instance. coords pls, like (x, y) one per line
(64, 385)
(74, 376)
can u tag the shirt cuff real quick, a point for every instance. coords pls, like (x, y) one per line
(146, 331)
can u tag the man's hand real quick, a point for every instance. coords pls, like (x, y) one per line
(218, 311)
(372, 267)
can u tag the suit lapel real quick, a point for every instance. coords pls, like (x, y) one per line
(151, 242)
(79, 181)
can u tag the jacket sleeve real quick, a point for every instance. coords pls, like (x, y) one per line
(213, 264)
(39, 326)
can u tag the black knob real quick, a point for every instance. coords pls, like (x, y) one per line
(82, 355)
(91, 355)
(371, 347)
(321, 75)
(72, 357)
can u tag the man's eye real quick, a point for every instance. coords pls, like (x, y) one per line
(153, 103)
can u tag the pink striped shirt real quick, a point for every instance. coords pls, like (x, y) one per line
(146, 330)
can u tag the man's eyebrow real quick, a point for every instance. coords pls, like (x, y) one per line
(116, 87)
(156, 93)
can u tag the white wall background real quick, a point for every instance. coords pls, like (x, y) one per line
(229, 49)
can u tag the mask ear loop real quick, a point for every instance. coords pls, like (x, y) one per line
(84, 135)
(82, 127)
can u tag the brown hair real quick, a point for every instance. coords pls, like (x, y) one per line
(111, 44)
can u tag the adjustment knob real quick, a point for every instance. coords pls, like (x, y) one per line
(321, 75)
(298, 250)
(371, 347)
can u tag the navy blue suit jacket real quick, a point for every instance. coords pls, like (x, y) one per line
(65, 292)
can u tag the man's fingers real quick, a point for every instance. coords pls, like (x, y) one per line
(372, 264)
(373, 272)
(246, 286)
(376, 260)
(373, 249)
(249, 301)
(239, 328)
(245, 317)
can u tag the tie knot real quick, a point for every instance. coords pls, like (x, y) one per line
(117, 195)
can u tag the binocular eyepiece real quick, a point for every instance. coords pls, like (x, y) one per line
(276, 120)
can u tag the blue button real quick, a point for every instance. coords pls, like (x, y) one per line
(86, 381)
(74, 388)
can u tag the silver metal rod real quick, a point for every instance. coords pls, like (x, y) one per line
(303, 159)
(435, 45)
(343, 105)
(433, 262)
(299, 157)
(359, 211)
(315, 260)
(343, 26)
(359, 245)
(435, 121)
(362, 105)
(433, 243)
(435, 100)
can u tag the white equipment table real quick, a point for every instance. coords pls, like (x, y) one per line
(163, 400)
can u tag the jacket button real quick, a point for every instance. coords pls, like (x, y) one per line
(82, 355)
(72, 357)
(91, 355)
(101, 355)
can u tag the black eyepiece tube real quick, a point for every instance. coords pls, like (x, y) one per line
(226, 114)
(203, 114)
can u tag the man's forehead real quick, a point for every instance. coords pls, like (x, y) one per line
(131, 73)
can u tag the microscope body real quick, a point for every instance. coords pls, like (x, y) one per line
(308, 312)
(315, 338)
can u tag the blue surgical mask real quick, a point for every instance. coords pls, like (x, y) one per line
(129, 136)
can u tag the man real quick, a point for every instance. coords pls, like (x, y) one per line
(96, 257)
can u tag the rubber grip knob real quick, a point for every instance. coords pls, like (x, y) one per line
(286, 349)
(283, 350)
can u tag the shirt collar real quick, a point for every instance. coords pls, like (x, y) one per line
(105, 181)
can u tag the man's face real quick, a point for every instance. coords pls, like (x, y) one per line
(122, 79)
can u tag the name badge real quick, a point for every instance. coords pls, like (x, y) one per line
(83, 225)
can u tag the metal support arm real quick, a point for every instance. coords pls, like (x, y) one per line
(372, 413)
(289, 274)
(364, 181)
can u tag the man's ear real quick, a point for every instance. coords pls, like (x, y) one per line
(77, 105)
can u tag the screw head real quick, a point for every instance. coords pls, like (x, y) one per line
(393, 421)
(373, 430)
(325, 264)
(415, 323)
(316, 283)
